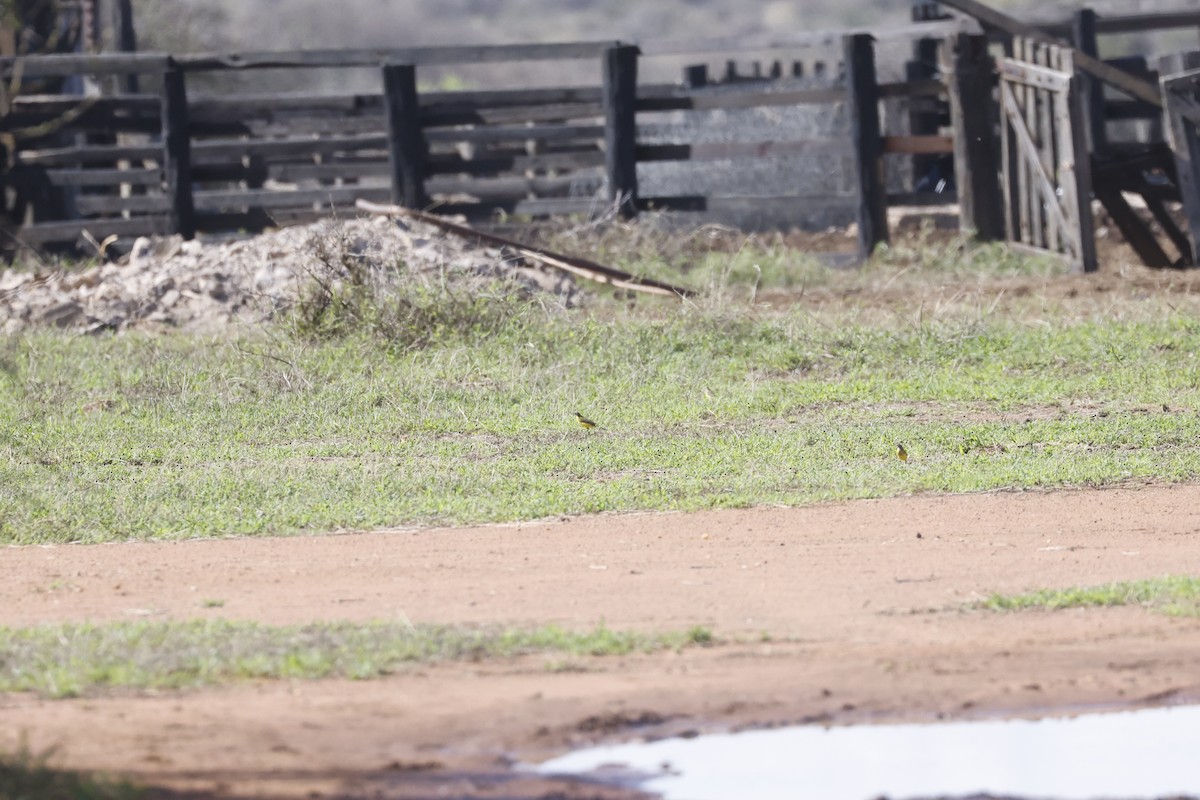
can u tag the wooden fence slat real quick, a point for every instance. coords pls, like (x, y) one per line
(177, 157)
(1182, 135)
(1083, 35)
(406, 142)
(104, 177)
(967, 67)
(620, 126)
(419, 56)
(866, 136)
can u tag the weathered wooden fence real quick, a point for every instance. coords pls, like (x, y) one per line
(131, 164)
(183, 161)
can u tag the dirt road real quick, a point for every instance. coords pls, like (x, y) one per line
(848, 613)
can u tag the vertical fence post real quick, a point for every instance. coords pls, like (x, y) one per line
(922, 111)
(406, 140)
(177, 150)
(1183, 137)
(125, 36)
(1083, 36)
(862, 95)
(968, 72)
(620, 126)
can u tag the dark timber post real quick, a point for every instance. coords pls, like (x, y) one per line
(1083, 35)
(406, 140)
(922, 111)
(126, 40)
(620, 126)
(1184, 140)
(862, 92)
(968, 72)
(177, 146)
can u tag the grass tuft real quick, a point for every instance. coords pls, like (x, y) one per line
(1173, 595)
(77, 659)
(25, 775)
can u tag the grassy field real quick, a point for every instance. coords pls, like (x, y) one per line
(404, 419)
(78, 659)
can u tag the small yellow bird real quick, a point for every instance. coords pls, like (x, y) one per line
(584, 421)
(901, 453)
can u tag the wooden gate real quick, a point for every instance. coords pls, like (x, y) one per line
(1181, 111)
(1045, 163)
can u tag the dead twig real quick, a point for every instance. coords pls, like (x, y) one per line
(567, 263)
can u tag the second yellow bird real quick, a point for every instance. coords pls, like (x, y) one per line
(901, 453)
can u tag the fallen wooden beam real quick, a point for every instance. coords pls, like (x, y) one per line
(1117, 78)
(567, 263)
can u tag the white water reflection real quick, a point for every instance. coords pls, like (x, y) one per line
(1148, 753)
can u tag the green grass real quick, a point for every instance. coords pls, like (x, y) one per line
(76, 659)
(28, 776)
(1174, 595)
(111, 438)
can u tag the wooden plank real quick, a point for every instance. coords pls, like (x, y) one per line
(1009, 168)
(929, 87)
(518, 133)
(1132, 228)
(126, 40)
(515, 114)
(108, 204)
(719, 151)
(1171, 228)
(1052, 115)
(947, 198)
(922, 144)
(406, 142)
(493, 162)
(619, 84)
(682, 101)
(105, 177)
(71, 231)
(1181, 135)
(866, 136)
(84, 155)
(924, 117)
(1131, 23)
(1031, 195)
(743, 43)
(237, 148)
(967, 69)
(519, 185)
(1034, 75)
(1075, 168)
(54, 65)
(326, 197)
(1083, 35)
(376, 57)
(177, 153)
(1013, 27)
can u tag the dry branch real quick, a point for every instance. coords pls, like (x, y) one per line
(567, 263)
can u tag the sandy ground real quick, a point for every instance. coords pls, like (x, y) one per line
(862, 602)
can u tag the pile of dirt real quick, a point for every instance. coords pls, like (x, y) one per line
(206, 286)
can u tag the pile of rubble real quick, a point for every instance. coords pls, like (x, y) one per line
(168, 283)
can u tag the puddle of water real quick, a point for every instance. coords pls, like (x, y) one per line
(1147, 753)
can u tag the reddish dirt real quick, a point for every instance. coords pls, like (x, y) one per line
(863, 603)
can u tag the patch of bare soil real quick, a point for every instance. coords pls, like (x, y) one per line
(843, 613)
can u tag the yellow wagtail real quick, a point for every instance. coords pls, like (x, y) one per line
(901, 453)
(584, 421)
